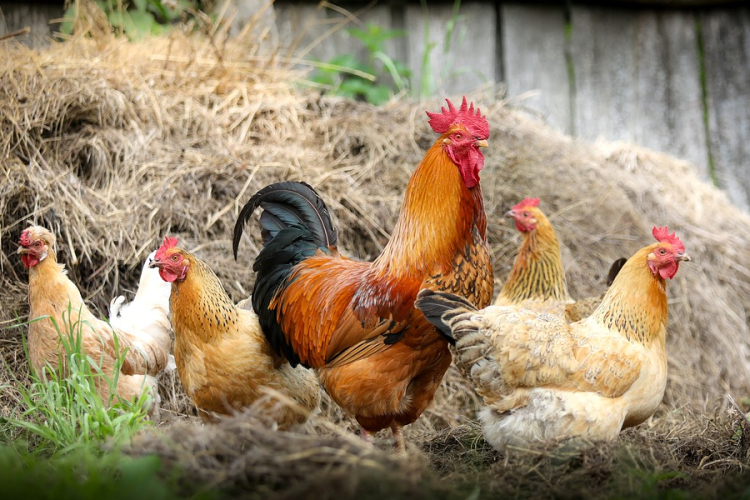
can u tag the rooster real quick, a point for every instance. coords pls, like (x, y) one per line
(537, 280)
(542, 378)
(223, 359)
(145, 343)
(355, 322)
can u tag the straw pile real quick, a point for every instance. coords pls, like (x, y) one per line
(113, 145)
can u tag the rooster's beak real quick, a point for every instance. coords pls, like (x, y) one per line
(483, 144)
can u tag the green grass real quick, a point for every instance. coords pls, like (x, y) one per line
(66, 442)
(63, 410)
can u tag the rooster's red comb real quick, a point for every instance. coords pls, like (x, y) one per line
(662, 234)
(474, 122)
(527, 202)
(168, 243)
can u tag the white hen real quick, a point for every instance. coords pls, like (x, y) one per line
(148, 312)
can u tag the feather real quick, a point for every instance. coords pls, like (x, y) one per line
(615, 270)
(441, 308)
(288, 203)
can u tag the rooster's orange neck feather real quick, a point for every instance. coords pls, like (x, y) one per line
(636, 303)
(436, 218)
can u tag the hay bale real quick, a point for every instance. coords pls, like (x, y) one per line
(113, 145)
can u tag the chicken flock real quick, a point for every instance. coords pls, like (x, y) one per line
(379, 336)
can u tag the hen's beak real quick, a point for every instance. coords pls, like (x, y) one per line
(684, 257)
(23, 250)
(483, 144)
(154, 263)
(510, 213)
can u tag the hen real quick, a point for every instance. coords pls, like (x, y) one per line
(355, 322)
(145, 344)
(223, 359)
(542, 378)
(537, 280)
(149, 306)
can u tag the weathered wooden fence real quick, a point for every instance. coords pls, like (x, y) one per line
(675, 79)
(672, 79)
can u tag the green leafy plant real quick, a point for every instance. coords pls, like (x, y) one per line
(63, 409)
(348, 76)
(135, 18)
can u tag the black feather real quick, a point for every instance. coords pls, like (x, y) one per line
(295, 224)
(441, 307)
(289, 202)
(615, 270)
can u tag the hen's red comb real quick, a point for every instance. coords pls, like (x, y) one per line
(24, 239)
(168, 243)
(527, 202)
(474, 122)
(662, 234)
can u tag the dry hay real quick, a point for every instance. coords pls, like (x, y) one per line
(113, 145)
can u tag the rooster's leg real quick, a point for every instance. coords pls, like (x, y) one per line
(398, 438)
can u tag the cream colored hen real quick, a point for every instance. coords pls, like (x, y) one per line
(53, 297)
(542, 378)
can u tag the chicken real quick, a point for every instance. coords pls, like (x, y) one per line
(149, 307)
(542, 378)
(355, 322)
(54, 299)
(223, 359)
(537, 280)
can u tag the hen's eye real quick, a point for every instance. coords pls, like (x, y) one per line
(526, 214)
(459, 137)
(175, 257)
(37, 243)
(662, 251)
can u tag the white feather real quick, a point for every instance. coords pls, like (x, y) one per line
(147, 315)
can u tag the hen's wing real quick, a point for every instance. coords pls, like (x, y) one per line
(506, 349)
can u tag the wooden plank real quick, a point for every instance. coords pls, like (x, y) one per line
(533, 42)
(637, 78)
(467, 60)
(668, 106)
(726, 42)
(15, 16)
(320, 34)
(602, 57)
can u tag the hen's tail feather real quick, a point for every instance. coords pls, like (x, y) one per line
(615, 270)
(287, 204)
(295, 224)
(444, 310)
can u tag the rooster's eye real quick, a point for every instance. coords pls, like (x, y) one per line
(459, 137)
(526, 214)
(662, 251)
